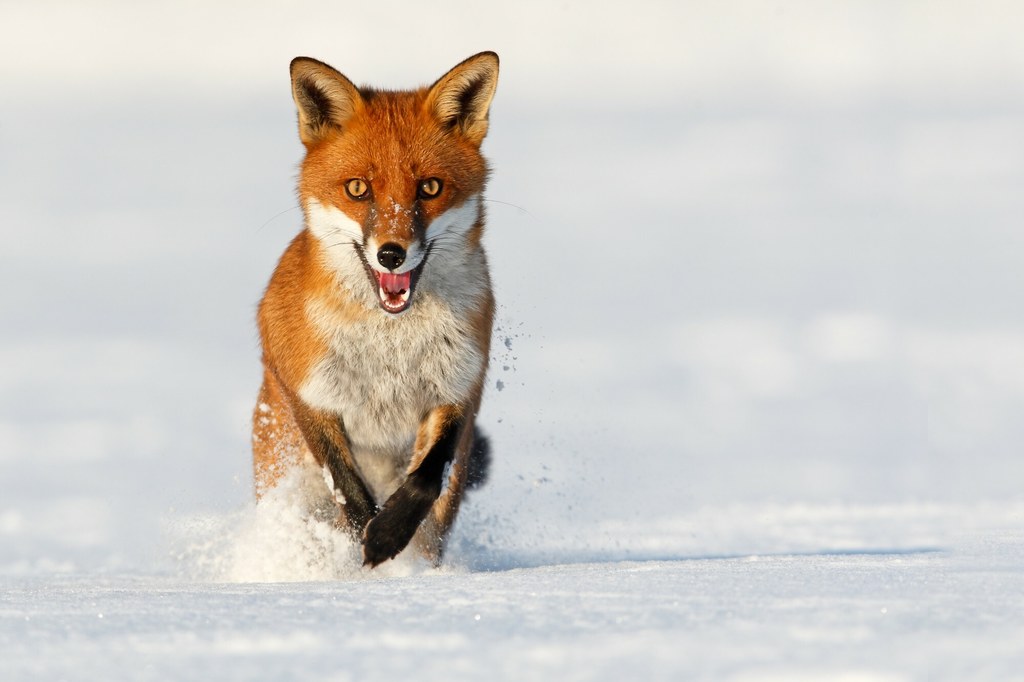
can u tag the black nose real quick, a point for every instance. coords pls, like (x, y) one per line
(391, 256)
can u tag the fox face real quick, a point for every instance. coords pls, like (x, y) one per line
(392, 181)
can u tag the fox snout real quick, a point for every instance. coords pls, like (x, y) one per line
(391, 255)
(395, 280)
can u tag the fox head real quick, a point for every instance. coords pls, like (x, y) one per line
(392, 181)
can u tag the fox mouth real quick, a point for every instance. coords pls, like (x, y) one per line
(394, 290)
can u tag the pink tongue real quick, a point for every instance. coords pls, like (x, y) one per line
(394, 284)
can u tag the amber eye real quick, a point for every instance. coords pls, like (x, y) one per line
(357, 189)
(429, 188)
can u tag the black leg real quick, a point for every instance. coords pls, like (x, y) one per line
(358, 505)
(392, 528)
(325, 436)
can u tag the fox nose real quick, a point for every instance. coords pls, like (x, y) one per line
(391, 256)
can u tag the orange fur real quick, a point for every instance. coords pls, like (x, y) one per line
(392, 141)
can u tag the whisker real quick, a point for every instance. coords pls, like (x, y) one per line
(506, 203)
(446, 237)
(276, 216)
(444, 249)
(350, 242)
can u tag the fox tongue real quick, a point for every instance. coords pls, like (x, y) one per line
(393, 284)
(394, 290)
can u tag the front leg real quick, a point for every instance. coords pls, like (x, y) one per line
(392, 528)
(325, 436)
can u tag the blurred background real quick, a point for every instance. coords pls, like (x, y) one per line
(746, 253)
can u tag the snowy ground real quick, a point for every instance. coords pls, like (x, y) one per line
(758, 376)
(947, 607)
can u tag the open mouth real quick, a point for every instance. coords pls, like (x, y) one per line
(394, 291)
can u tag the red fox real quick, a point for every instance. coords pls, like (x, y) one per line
(376, 324)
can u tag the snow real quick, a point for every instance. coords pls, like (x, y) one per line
(869, 613)
(755, 391)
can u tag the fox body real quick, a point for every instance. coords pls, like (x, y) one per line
(376, 323)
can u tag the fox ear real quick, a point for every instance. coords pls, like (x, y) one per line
(461, 98)
(325, 98)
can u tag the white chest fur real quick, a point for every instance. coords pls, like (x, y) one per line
(384, 373)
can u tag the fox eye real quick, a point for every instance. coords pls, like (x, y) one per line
(357, 189)
(429, 188)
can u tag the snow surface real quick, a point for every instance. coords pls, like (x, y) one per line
(755, 391)
(949, 609)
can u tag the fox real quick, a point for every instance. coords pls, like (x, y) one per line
(376, 324)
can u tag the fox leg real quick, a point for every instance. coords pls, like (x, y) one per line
(323, 435)
(470, 461)
(277, 444)
(436, 443)
(326, 440)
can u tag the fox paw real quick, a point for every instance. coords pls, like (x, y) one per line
(392, 528)
(389, 531)
(385, 536)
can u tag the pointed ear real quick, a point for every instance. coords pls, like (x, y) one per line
(461, 98)
(325, 98)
